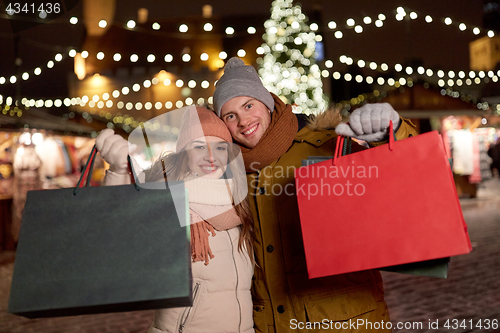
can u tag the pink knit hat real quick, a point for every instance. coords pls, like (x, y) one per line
(198, 122)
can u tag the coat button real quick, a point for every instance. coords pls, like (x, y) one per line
(281, 309)
(328, 134)
(262, 190)
(318, 141)
(270, 248)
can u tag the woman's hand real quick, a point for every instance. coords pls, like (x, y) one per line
(114, 149)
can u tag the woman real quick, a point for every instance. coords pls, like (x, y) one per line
(221, 228)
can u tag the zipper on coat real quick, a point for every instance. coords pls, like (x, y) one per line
(237, 279)
(187, 310)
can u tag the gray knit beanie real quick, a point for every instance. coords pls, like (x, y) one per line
(240, 80)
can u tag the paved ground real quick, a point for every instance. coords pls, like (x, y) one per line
(472, 289)
(470, 294)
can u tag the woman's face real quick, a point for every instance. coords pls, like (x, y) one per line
(207, 156)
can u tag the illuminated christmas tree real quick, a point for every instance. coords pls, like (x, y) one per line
(288, 66)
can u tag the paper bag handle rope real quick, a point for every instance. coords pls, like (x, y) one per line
(89, 166)
(346, 143)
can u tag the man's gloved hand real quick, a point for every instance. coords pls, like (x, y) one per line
(370, 122)
(114, 149)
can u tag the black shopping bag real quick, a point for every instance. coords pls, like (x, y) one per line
(102, 249)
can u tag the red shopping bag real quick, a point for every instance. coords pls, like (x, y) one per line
(385, 206)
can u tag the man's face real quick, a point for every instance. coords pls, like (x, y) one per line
(247, 119)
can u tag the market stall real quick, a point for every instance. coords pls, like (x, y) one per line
(37, 160)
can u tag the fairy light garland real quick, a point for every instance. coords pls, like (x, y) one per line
(94, 106)
(441, 73)
(128, 123)
(104, 100)
(400, 14)
(378, 94)
(394, 83)
(12, 79)
(445, 78)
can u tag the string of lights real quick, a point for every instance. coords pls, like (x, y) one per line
(400, 14)
(37, 71)
(445, 78)
(104, 101)
(133, 58)
(95, 107)
(460, 76)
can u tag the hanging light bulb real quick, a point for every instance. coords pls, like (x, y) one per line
(208, 27)
(131, 24)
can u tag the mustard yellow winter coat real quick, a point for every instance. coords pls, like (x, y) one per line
(283, 295)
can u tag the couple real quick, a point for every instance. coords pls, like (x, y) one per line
(270, 136)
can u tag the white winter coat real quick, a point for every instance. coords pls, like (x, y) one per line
(222, 301)
(221, 293)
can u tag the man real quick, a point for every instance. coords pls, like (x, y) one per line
(273, 145)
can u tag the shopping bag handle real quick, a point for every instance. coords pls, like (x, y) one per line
(346, 144)
(89, 166)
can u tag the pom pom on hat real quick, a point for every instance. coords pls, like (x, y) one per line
(240, 80)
